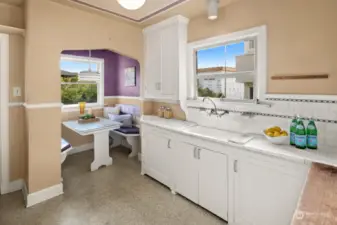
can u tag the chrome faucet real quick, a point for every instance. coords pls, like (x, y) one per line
(214, 110)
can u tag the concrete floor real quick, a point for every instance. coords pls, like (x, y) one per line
(115, 195)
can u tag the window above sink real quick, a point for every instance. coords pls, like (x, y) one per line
(230, 68)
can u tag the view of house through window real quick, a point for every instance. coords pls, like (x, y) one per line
(76, 85)
(227, 71)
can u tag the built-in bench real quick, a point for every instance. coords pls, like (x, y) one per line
(128, 134)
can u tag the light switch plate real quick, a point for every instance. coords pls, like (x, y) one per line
(16, 91)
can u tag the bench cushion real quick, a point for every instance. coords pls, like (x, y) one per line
(64, 145)
(128, 130)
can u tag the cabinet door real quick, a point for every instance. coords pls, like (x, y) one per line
(185, 173)
(213, 183)
(266, 190)
(152, 64)
(170, 62)
(156, 157)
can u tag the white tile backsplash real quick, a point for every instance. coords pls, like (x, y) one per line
(327, 132)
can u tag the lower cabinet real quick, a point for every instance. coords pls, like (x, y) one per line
(213, 182)
(266, 190)
(186, 170)
(255, 189)
(157, 157)
(201, 176)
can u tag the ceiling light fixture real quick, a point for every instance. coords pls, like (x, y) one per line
(131, 4)
(213, 9)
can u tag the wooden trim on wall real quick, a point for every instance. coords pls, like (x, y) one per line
(300, 77)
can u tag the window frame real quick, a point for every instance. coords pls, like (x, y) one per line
(100, 85)
(190, 96)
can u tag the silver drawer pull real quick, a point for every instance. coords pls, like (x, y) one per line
(235, 166)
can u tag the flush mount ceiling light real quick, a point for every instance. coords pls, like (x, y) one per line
(131, 4)
(213, 9)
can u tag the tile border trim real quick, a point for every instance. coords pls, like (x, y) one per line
(265, 114)
(302, 100)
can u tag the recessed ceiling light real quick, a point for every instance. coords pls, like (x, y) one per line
(131, 4)
(213, 9)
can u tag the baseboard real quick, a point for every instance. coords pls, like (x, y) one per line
(81, 148)
(12, 186)
(43, 195)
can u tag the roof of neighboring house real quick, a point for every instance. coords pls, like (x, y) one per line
(216, 69)
(68, 74)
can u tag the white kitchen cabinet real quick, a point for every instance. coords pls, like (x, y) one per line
(186, 170)
(213, 182)
(157, 157)
(201, 176)
(266, 190)
(153, 63)
(165, 58)
(239, 186)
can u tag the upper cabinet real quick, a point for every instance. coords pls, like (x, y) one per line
(165, 58)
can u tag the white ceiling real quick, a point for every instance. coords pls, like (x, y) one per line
(149, 9)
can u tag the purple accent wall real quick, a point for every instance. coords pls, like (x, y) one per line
(114, 65)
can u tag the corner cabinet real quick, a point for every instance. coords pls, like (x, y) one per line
(266, 189)
(165, 58)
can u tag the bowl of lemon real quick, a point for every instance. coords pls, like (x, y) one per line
(276, 135)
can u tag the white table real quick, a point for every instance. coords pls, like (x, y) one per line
(100, 130)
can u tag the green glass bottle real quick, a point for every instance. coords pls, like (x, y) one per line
(312, 135)
(301, 135)
(293, 130)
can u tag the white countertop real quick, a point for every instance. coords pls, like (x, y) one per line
(325, 154)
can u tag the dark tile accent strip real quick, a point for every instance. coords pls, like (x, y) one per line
(302, 100)
(265, 114)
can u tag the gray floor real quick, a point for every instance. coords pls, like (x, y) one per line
(115, 195)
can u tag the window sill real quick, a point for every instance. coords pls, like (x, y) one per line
(75, 108)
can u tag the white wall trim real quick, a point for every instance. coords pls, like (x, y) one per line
(81, 148)
(123, 97)
(43, 195)
(15, 104)
(4, 113)
(12, 187)
(43, 105)
(170, 101)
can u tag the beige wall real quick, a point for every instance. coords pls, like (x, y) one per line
(52, 28)
(44, 133)
(301, 38)
(17, 131)
(11, 15)
(17, 143)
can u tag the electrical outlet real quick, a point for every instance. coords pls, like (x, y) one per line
(16, 91)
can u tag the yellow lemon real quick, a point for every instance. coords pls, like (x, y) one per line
(284, 133)
(270, 129)
(270, 134)
(276, 128)
(277, 134)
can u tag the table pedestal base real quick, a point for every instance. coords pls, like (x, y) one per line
(134, 142)
(101, 150)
